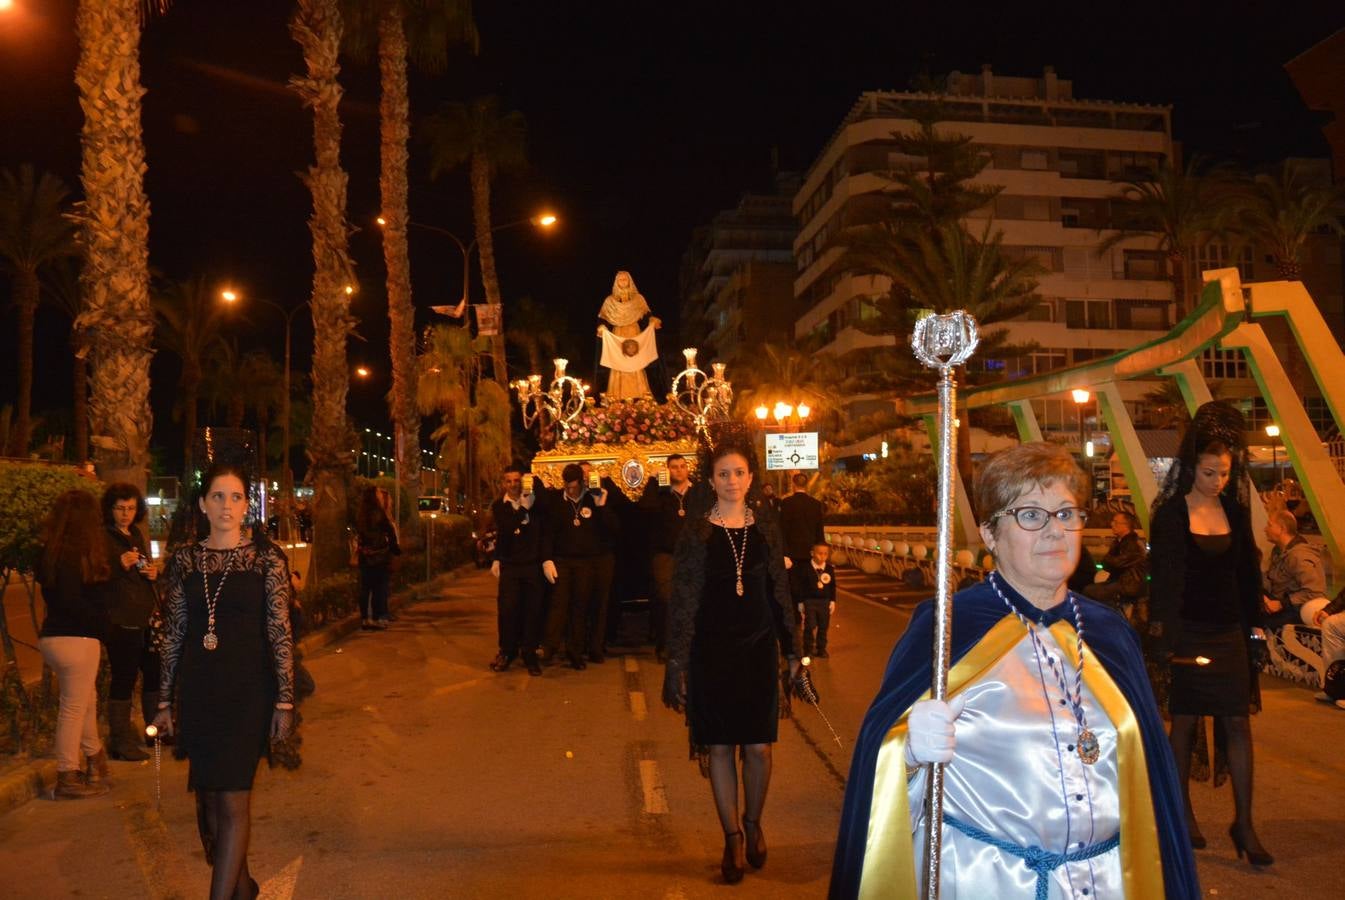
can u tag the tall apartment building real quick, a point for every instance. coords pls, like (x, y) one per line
(1055, 156)
(736, 274)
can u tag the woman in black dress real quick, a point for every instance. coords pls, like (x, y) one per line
(229, 652)
(1203, 603)
(729, 623)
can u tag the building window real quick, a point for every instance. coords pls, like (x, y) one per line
(1217, 255)
(1035, 159)
(1041, 312)
(1088, 314)
(1215, 363)
(1085, 212)
(1145, 265)
(1142, 315)
(1083, 164)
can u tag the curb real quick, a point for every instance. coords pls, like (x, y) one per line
(37, 777)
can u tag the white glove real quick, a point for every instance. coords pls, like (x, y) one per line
(931, 731)
(1102, 577)
(549, 570)
(495, 568)
(800, 607)
(789, 563)
(528, 499)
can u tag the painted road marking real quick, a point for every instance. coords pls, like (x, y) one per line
(637, 705)
(281, 885)
(631, 663)
(655, 799)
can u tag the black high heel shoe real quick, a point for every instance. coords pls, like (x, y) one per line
(756, 848)
(1256, 855)
(733, 873)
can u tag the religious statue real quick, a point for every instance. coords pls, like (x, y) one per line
(626, 329)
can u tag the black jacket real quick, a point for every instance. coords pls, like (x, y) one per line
(667, 512)
(74, 608)
(591, 537)
(801, 524)
(130, 596)
(522, 535)
(807, 584)
(1128, 563)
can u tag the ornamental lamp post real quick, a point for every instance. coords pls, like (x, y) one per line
(1273, 432)
(1081, 397)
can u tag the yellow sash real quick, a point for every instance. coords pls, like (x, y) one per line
(889, 862)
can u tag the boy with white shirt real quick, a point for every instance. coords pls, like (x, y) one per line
(814, 592)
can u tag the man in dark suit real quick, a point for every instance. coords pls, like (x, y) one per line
(667, 508)
(801, 522)
(522, 556)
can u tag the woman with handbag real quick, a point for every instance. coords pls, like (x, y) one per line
(228, 651)
(375, 546)
(729, 624)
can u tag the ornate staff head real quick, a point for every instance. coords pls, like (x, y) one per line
(944, 341)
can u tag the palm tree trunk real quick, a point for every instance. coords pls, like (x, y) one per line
(114, 230)
(316, 26)
(26, 292)
(191, 386)
(80, 403)
(395, 125)
(486, 244)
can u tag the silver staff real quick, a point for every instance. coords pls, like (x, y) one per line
(152, 731)
(942, 342)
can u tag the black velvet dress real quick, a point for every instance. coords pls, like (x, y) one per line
(226, 695)
(732, 683)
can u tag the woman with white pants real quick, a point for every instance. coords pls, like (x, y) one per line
(72, 570)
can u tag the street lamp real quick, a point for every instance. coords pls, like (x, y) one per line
(1080, 398)
(228, 295)
(543, 220)
(1273, 432)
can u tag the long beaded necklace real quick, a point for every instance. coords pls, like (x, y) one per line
(681, 503)
(575, 507)
(739, 555)
(1086, 743)
(211, 640)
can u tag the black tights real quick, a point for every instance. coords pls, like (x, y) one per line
(1238, 731)
(724, 782)
(224, 819)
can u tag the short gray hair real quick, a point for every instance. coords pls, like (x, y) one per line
(1010, 473)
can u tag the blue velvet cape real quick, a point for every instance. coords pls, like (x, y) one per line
(975, 611)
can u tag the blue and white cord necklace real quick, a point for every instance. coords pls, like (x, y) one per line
(1086, 745)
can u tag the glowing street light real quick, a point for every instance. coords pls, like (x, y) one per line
(1272, 432)
(6, 5)
(226, 295)
(803, 409)
(762, 412)
(1080, 398)
(363, 371)
(783, 411)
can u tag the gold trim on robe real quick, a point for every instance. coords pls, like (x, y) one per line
(889, 859)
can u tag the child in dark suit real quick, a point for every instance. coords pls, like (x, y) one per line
(814, 592)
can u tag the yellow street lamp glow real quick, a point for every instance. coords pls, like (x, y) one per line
(1272, 431)
(362, 371)
(762, 412)
(546, 220)
(782, 411)
(382, 222)
(6, 5)
(803, 410)
(226, 295)
(1080, 395)
(350, 289)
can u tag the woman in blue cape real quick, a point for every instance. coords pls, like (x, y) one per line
(1058, 780)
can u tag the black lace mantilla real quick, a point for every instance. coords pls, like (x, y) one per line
(271, 564)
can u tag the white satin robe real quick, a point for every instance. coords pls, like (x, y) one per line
(1017, 775)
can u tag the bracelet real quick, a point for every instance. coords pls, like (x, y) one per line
(285, 706)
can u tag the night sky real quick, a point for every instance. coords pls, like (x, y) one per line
(643, 121)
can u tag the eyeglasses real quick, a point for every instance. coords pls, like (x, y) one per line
(125, 509)
(1034, 518)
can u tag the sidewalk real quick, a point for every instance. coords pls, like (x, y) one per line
(24, 780)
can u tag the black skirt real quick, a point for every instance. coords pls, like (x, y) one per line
(1224, 687)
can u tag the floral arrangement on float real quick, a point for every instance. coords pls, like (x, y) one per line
(640, 420)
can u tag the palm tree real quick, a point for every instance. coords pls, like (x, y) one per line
(316, 27)
(490, 142)
(34, 232)
(61, 289)
(538, 332)
(421, 31)
(1287, 207)
(780, 372)
(261, 385)
(1183, 207)
(114, 231)
(189, 320)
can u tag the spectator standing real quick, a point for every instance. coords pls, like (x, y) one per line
(130, 604)
(1204, 600)
(1127, 568)
(801, 522)
(376, 545)
(522, 556)
(813, 586)
(667, 507)
(73, 571)
(579, 522)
